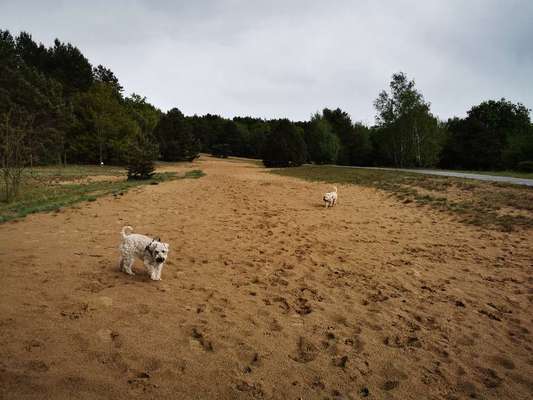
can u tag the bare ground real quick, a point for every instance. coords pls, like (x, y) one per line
(266, 295)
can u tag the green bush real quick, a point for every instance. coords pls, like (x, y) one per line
(141, 153)
(525, 166)
(140, 170)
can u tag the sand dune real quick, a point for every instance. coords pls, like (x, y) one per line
(266, 295)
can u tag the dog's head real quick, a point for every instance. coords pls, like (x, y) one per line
(158, 250)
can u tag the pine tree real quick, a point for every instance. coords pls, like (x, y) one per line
(175, 136)
(285, 146)
(142, 151)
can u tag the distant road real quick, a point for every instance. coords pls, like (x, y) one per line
(490, 178)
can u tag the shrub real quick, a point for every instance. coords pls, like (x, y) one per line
(140, 170)
(525, 166)
(141, 153)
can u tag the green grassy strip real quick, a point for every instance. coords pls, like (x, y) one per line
(76, 171)
(47, 198)
(194, 174)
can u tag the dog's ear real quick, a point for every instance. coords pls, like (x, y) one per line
(166, 245)
(158, 239)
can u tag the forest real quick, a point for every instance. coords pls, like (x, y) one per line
(57, 108)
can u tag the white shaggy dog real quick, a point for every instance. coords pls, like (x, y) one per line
(151, 251)
(330, 198)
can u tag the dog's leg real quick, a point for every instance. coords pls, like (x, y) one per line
(150, 268)
(126, 263)
(153, 275)
(158, 270)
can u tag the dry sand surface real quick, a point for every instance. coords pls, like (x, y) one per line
(266, 295)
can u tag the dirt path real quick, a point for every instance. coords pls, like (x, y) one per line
(266, 295)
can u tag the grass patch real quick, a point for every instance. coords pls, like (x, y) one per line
(498, 206)
(45, 192)
(72, 172)
(194, 174)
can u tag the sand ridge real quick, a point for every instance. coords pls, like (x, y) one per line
(265, 295)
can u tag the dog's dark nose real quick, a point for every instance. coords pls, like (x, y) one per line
(160, 259)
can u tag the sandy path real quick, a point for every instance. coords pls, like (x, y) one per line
(266, 295)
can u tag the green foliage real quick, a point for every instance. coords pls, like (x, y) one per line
(285, 146)
(142, 150)
(407, 134)
(221, 150)
(361, 149)
(144, 113)
(194, 174)
(322, 144)
(33, 55)
(499, 133)
(525, 166)
(519, 149)
(68, 111)
(355, 147)
(241, 137)
(140, 169)
(105, 75)
(207, 129)
(104, 126)
(342, 127)
(8, 53)
(232, 137)
(69, 66)
(175, 136)
(35, 103)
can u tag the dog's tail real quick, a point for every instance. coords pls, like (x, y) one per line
(335, 189)
(124, 233)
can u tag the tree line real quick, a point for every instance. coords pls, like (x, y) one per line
(496, 134)
(55, 107)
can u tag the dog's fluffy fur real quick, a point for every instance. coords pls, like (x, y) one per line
(330, 198)
(151, 251)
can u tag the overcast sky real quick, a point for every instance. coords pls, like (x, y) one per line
(290, 58)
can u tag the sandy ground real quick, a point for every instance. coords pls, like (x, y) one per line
(266, 295)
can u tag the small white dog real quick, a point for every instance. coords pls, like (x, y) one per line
(330, 198)
(151, 251)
